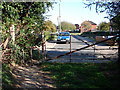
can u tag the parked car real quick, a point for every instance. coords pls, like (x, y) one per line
(63, 37)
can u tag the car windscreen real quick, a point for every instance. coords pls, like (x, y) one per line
(64, 34)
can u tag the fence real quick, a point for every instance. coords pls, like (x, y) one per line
(93, 56)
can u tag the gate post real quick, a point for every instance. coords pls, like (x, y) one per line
(70, 48)
(118, 48)
(42, 46)
(94, 51)
(45, 45)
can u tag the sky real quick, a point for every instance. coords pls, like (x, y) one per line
(74, 11)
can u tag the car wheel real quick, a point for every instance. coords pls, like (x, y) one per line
(67, 42)
(57, 42)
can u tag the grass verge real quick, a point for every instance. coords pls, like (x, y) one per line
(85, 75)
(75, 33)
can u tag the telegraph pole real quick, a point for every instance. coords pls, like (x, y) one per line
(59, 17)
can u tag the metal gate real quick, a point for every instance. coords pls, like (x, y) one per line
(96, 54)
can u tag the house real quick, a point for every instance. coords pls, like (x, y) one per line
(88, 26)
(77, 26)
(77, 29)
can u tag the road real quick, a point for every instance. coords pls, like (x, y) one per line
(86, 55)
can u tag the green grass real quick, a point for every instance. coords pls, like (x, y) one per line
(8, 80)
(86, 75)
(75, 33)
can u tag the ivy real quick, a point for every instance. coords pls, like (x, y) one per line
(23, 15)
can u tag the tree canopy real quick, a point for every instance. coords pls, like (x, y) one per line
(28, 19)
(86, 25)
(49, 26)
(67, 26)
(103, 26)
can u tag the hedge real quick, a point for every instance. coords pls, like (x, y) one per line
(94, 34)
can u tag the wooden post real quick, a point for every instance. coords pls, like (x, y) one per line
(94, 51)
(70, 48)
(45, 50)
(45, 45)
(23, 55)
(42, 46)
(12, 32)
(39, 53)
(119, 49)
(31, 53)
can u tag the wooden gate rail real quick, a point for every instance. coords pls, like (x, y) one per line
(81, 48)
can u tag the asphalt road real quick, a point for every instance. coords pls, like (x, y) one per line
(85, 55)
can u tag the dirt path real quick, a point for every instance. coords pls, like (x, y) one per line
(32, 77)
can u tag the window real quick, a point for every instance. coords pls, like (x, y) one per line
(64, 34)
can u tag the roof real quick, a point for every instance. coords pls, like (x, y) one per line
(76, 24)
(90, 22)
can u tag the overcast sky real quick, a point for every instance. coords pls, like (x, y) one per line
(74, 11)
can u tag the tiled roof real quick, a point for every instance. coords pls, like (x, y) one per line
(92, 23)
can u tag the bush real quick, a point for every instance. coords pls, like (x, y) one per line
(35, 55)
(49, 36)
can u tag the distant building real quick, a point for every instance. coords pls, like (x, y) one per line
(77, 29)
(77, 26)
(92, 29)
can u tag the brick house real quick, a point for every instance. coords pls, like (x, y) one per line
(77, 29)
(93, 26)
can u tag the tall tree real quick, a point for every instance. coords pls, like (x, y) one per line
(49, 26)
(103, 26)
(86, 25)
(67, 26)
